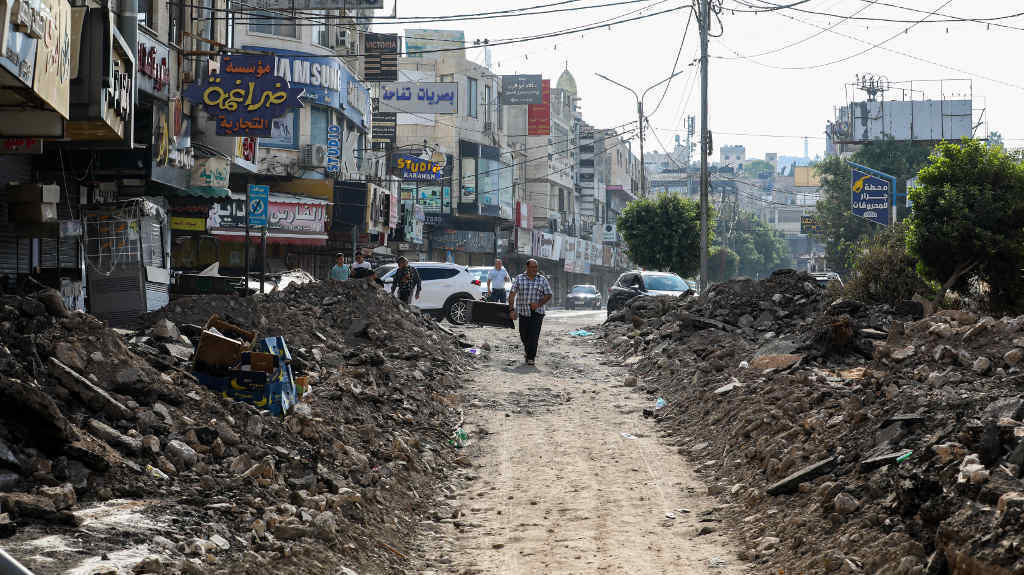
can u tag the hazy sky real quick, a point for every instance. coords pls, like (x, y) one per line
(749, 95)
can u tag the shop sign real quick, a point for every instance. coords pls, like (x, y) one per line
(106, 70)
(245, 95)
(384, 127)
(322, 77)
(284, 214)
(333, 149)
(518, 89)
(381, 53)
(21, 146)
(412, 168)
(357, 97)
(18, 49)
(53, 54)
(539, 116)
(188, 224)
(245, 152)
(870, 196)
(154, 68)
(420, 97)
(210, 173)
(172, 155)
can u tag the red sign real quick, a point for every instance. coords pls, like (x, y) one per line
(524, 215)
(153, 65)
(539, 116)
(21, 146)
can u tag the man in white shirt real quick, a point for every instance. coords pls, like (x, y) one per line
(361, 268)
(496, 279)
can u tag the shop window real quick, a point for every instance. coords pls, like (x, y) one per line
(472, 98)
(321, 28)
(320, 118)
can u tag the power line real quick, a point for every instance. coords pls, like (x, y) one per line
(675, 65)
(893, 51)
(845, 58)
(947, 18)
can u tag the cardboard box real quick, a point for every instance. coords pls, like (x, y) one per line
(33, 194)
(32, 213)
(254, 388)
(216, 352)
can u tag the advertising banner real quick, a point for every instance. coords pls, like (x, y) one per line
(524, 242)
(809, 225)
(870, 197)
(420, 97)
(172, 155)
(569, 253)
(188, 224)
(245, 96)
(280, 212)
(245, 152)
(333, 149)
(210, 173)
(384, 127)
(414, 168)
(467, 176)
(539, 116)
(154, 67)
(53, 54)
(381, 53)
(423, 43)
(519, 89)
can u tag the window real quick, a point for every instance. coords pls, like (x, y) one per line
(472, 102)
(146, 16)
(321, 28)
(262, 22)
(318, 121)
(487, 104)
(433, 274)
(561, 200)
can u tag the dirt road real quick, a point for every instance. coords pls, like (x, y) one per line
(565, 475)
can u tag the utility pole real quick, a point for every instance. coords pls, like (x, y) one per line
(704, 21)
(643, 168)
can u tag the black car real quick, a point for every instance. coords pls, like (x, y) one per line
(583, 296)
(634, 283)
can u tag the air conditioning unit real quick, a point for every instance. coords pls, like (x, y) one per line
(314, 156)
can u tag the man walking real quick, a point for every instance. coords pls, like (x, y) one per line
(406, 280)
(340, 271)
(496, 279)
(361, 268)
(530, 291)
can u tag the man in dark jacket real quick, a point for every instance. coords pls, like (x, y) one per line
(405, 281)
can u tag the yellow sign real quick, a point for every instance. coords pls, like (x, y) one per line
(188, 224)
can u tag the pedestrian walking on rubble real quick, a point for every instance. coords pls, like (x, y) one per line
(496, 279)
(341, 270)
(406, 281)
(530, 291)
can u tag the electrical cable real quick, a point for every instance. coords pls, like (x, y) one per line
(947, 18)
(808, 38)
(894, 51)
(675, 65)
(844, 58)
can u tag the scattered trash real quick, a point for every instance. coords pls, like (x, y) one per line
(904, 457)
(670, 515)
(473, 351)
(459, 438)
(581, 333)
(744, 365)
(628, 435)
(661, 403)
(156, 473)
(717, 563)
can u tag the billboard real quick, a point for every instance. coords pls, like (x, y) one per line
(384, 128)
(420, 97)
(870, 197)
(809, 225)
(381, 54)
(248, 110)
(539, 116)
(424, 43)
(413, 168)
(519, 89)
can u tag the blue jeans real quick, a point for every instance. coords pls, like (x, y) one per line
(497, 295)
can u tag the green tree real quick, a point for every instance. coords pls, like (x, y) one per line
(968, 219)
(663, 233)
(723, 264)
(759, 248)
(885, 271)
(995, 139)
(843, 231)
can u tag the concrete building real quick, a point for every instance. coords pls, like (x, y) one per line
(732, 155)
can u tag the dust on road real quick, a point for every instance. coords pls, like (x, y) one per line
(564, 475)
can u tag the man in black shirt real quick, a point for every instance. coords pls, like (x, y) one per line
(405, 281)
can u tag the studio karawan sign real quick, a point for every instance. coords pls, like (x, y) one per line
(245, 96)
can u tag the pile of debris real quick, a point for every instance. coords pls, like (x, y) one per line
(843, 438)
(119, 437)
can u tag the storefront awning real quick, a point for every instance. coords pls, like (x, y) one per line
(273, 237)
(201, 192)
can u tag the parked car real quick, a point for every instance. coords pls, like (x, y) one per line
(825, 278)
(445, 286)
(634, 283)
(583, 296)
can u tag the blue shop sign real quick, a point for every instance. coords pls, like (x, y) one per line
(245, 96)
(870, 197)
(326, 79)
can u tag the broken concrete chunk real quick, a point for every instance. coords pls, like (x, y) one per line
(181, 455)
(92, 395)
(113, 437)
(873, 463)
(778, 362)
(791, 484)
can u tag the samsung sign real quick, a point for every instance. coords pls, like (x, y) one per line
(323, 77)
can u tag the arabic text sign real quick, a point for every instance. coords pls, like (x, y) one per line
(521, 89)
(381, 52)
(259, 203)
(420, 97)
(412, 168)
(539, 116)
(870, 197)
(211, 173)
(245, 95)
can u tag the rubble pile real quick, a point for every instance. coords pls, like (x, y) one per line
(841, 437)
(100, 423)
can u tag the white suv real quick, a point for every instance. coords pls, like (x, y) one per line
(444, 287)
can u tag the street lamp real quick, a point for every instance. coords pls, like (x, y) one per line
(640, 117)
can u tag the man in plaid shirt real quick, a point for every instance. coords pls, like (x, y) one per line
(530, 291)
